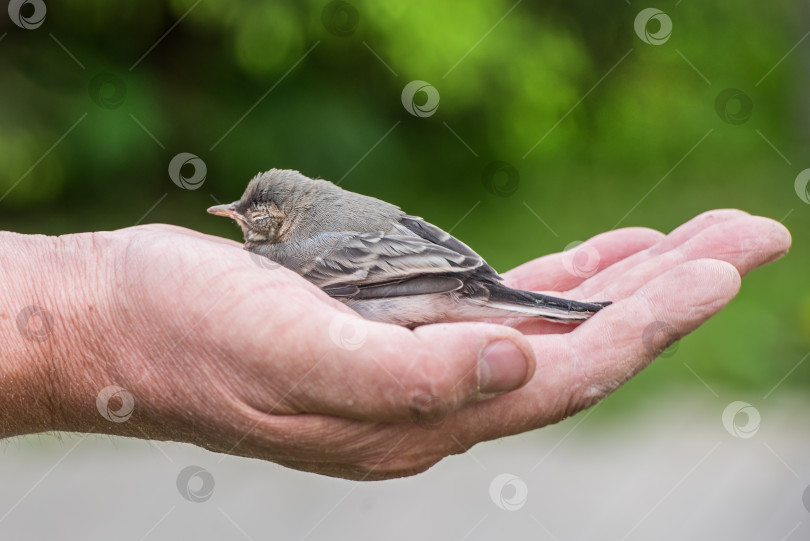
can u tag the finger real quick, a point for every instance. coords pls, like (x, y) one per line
(566, 270)
(576, 370)
(702, 221)
(355, 368)
(677, 237)
(569, 269)
(746, 243)
(730, 235)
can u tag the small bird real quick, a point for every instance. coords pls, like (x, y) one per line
(385, 264)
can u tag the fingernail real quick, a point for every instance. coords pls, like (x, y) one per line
(501, 367)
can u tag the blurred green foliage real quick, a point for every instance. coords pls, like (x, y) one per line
(601, 128)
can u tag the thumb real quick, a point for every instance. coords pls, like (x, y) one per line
(379, 372)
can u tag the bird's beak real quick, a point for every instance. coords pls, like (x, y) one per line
(229, 211)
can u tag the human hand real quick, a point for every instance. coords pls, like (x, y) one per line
(222, 352)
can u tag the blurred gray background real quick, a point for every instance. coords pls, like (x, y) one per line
(553, 121)
(668, 472)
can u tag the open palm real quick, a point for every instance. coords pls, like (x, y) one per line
(230, 352)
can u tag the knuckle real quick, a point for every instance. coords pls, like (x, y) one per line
(428, 396)
(428, 410)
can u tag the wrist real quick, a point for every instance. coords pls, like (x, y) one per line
(50, 288)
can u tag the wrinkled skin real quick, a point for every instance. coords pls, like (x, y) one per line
(223, 353)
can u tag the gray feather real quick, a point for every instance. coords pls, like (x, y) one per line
(387, 265)
(334, 259)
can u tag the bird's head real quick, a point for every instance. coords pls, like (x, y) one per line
(268, 201)
(284, 205)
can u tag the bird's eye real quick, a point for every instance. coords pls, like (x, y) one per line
(258, 217)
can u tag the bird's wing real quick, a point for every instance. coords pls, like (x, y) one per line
(426, 230)
(337, 261)
(419, 285)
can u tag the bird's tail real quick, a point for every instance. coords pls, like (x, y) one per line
(516, 302)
